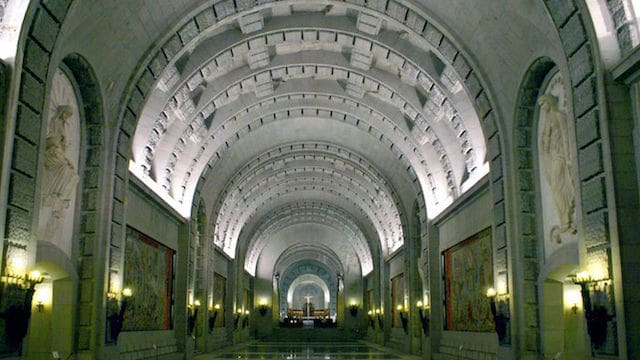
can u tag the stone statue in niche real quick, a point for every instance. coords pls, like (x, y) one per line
(556, 163)
(60, 176)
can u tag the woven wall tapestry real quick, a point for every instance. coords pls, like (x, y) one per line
(468, 275)
(148, 271)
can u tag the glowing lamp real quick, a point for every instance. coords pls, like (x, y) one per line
(126, 292)
(491, 293)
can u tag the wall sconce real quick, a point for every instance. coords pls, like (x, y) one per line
(353, 309)
(263, 307)
(403, 318)
(213, 314)
(17, 295)
(371, 323)
(501, 317)
(245, 321)
(193, 316)
(116, 320)
(379, 316)
(423, 311)
(237, 318)
(596, 314)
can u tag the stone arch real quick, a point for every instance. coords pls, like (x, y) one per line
(294, 271)
(38, 35)
(324, 151)
(587, 80)
(90, 183)
(295, 213)
(63, 127)
(302, 280)
(527, 210)
(414, 20)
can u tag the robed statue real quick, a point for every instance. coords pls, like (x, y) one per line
(60, 175)
(556, 163)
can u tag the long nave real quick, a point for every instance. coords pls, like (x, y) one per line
(383, 179)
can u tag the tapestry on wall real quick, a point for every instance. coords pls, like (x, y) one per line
(468, 275)
(148, 271)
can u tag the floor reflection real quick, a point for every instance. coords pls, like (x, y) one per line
(312, 351)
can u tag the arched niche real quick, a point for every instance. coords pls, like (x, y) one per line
(308, 285)
(60, 178)
(308, 271)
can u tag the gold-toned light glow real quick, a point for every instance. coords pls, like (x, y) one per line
(491, 293)
(43, 294)
(126, 292)
(35, 274)
(216, 306)
(572, 298)
(17, 264)
(502, 287)
(419, 304)
(583, 276)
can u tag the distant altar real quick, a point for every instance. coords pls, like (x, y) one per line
(300, 314)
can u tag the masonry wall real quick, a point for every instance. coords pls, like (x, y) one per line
(472, 215)
(146, 216)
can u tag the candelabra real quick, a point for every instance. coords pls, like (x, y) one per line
(403, 318)
(236, 319)
(371, 322)
(263, 307)
(213, 314)
(500, 312)
(423, 311)
(353, 309)
(116, 319)
(193, 316)
(595, 312)
(245, 320)
(16, 294)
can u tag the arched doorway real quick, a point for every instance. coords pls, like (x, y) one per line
(309, 294)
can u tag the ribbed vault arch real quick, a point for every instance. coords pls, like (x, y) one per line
(308, 212)
(315, 240)
(315, 252)
(313, 167)
(225, 57)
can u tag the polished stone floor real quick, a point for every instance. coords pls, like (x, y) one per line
(314, 350)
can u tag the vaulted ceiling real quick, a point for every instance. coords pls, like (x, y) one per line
(308, 114)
